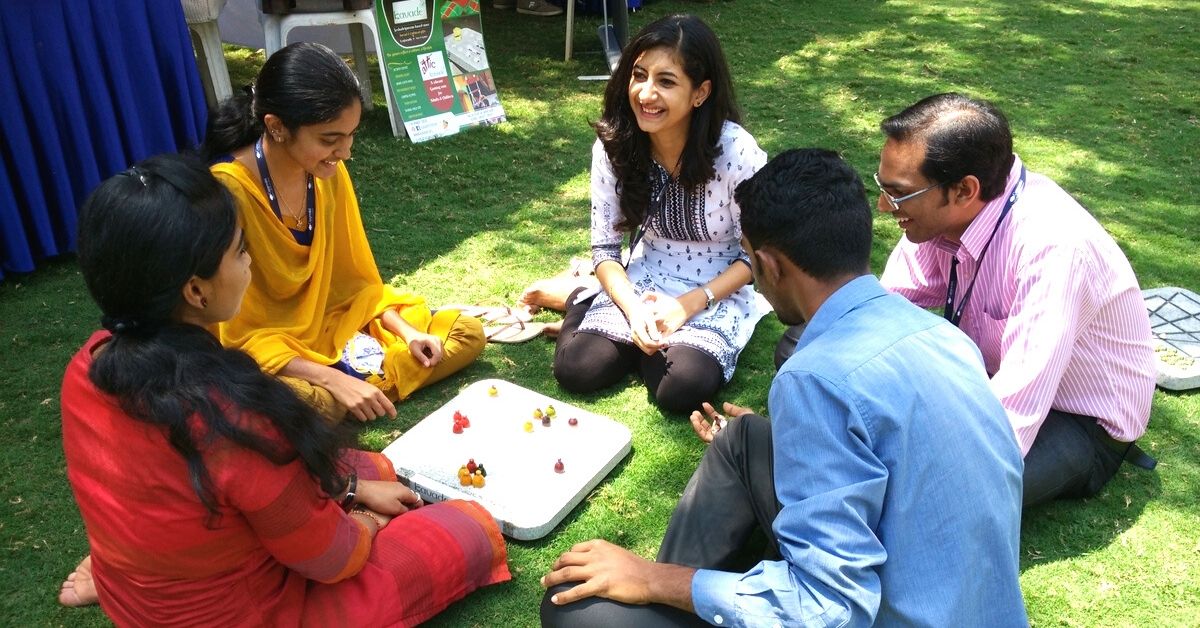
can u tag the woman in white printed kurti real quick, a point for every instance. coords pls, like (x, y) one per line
(669, 155)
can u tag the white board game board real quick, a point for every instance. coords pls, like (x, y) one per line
(1175, 322)
(522, 490)
(465, 49)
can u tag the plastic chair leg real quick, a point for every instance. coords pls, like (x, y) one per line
(360, 64)
(570, 29)
(271, 34)
(211, 58)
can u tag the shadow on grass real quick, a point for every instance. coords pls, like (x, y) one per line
(1070, 528)
(1101, 95)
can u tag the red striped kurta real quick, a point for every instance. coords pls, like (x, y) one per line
(279, 553)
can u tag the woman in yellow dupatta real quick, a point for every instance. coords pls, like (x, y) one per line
(317, 312)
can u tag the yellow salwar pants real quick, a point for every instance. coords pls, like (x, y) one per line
(462, 344)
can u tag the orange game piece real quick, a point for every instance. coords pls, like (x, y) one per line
(477, 480)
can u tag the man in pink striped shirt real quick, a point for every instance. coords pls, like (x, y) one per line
(1033, 279)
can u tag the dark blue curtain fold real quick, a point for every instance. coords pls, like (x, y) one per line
(87, 87)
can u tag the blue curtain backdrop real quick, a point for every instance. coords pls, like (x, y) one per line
(87, 87)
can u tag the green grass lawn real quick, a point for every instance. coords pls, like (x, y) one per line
(1102, 96)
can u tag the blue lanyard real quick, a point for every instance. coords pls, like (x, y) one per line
(310, 199)
(954, 314)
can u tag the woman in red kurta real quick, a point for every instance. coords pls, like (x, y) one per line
(210, 493)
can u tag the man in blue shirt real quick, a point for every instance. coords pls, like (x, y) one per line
(887, 485)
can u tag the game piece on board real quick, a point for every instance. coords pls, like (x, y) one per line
(463, 471)
(545, 421)
(481, 471)
(550, 411)
(465, 480)
(528, 426)
(537, 413)
(558, 466)
(471, 466)
(458, 427)
(477, 480)
(458, 415)
(492, 392)
(572, 421)
(466, 422)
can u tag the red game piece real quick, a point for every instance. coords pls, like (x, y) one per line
(572, 421)
(471, 466)
(457, 415)
(458, 428)
(465, 421)
(558, 466)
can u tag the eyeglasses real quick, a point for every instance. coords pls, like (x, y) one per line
(895, 202)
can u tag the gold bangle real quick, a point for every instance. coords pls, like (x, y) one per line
(363, 511)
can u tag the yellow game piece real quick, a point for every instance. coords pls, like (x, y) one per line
(458, 33)
(537, 413)
(550, 411)
(463, 471)
(492, 392)
(528, 426)
(477, 480)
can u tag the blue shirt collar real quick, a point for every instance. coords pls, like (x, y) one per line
(858, 291)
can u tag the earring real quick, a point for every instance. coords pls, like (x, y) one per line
(203, 302)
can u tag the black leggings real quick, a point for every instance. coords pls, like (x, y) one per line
(678, 378)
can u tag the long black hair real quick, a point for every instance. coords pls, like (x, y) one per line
(142, 235)
(302, 84)
(699, 52)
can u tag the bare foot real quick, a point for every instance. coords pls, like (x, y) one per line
(79, 589)
(552, 330)
(552, 293)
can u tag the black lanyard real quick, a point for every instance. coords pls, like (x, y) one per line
(310, 199)
(655, 205)
(954, 314)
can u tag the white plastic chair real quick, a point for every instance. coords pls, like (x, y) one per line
(201, 17)
(613, 34)
(275, 32)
